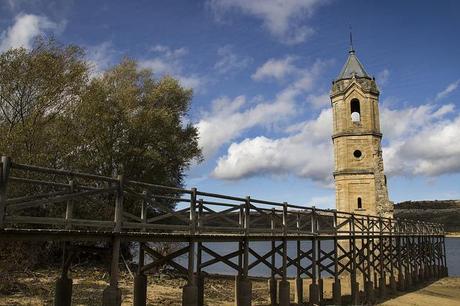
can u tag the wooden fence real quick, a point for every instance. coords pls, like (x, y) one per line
(385, 254)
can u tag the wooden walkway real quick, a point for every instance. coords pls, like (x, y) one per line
(39, 203)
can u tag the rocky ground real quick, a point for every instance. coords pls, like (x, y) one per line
(37, 288)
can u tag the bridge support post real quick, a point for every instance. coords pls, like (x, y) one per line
(382, 285)
(401, 282)
(337, 292)
(63, 291)
(140, 290)
(393, 286)
(199, 277)
(190, 291)
(112, 294)
(200, 288)
(408, 278)
(285, 293)
(298, 279)
(273, 282)
(299, 290)
(243, 291)
(336, 286)
(314, 289)
(354, 284)
(273, 288)
(140, 280)
(369, 291)
(4, 174)
(284, 286)
(190, 295)
(445, 270)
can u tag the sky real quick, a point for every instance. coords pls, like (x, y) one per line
(261, 72)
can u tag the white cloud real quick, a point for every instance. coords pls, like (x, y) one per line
(100, 57)
(421, 141)
(322, 201)
(229, 61)
(275, 69)
(319, 101)
(307, 153)
(169, 61)
(426, 144)
(25, 29)
(449, 89)
(402, 123)
(284, 19)
(230, 118)
(383, 76)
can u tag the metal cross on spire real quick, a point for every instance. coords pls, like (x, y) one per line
(351, 40)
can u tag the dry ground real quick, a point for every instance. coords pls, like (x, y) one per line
(37, 288)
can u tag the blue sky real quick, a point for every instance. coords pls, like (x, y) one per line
(261, 72)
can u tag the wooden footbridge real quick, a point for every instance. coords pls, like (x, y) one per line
(375, 255)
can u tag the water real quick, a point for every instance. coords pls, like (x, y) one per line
(453, 256)
(262, 247)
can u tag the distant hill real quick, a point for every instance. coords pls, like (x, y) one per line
(446, 212)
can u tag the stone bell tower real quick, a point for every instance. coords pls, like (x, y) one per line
(361, 185)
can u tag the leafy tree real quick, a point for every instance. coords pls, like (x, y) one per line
(125, 121)
(128, 122)
(36, 87)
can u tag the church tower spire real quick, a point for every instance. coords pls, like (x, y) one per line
(360, 182)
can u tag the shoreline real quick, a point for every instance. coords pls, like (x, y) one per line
(37, 288)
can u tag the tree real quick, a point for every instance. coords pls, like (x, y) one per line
(128, 122)
(125, 121)
(36, 87)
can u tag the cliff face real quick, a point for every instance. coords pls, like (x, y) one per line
(446, 212)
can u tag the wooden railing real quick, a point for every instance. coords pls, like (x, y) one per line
(32, 196)
(44, 203)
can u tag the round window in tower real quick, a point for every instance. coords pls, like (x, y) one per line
(357, 154)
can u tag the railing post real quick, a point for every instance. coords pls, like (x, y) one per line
(112, 294)
(298, 280)
(354, 284)
(273, 285)
(190, 291)
(247, 210)
(392, 255)
(314, 290)
(243, 284)
(284, 289)
(119, 205)
(69, 208)
(246, 241)
(63, 288)
(140, 280)
(336, 286)
(445, 269)
(368, 284)
(382, 280)
(200, 215)
(4, 175)
(199, 257)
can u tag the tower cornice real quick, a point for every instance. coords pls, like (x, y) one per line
(353, 172)
(357, 133)
(366, 85)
